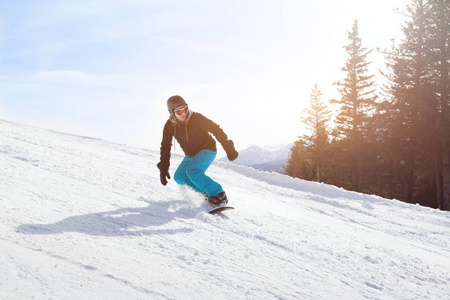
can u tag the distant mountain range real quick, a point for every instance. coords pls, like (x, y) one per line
(267, 158)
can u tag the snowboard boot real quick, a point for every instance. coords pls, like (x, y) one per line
(219, 200)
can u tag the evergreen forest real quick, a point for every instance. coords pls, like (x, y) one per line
(390, 139)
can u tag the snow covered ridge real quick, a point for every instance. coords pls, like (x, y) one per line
(83, 218)
(267, 158)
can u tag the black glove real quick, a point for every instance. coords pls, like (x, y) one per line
(163, 173)
(232, 154)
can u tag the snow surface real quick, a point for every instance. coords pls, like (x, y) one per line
(84, 218)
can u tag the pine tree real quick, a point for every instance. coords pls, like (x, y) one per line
(413, 106)
(298, 164)
(440, 46)
(317, 116)
(357, 103)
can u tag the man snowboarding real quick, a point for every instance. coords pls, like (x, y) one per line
(192, 131)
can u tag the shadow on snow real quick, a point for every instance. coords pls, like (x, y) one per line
(132, 221)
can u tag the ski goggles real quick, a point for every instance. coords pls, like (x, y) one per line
(181, 111)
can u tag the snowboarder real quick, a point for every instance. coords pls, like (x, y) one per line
(192, 131)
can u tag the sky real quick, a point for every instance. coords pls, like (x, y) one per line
(105, 69)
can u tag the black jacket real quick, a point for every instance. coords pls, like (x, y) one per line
(193, 137)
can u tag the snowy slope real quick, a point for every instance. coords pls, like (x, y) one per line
(83, 218)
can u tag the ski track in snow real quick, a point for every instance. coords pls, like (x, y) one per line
(86, 218)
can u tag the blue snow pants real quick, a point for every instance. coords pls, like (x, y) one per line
(192, 170)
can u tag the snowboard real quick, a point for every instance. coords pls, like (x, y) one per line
(217, 210)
